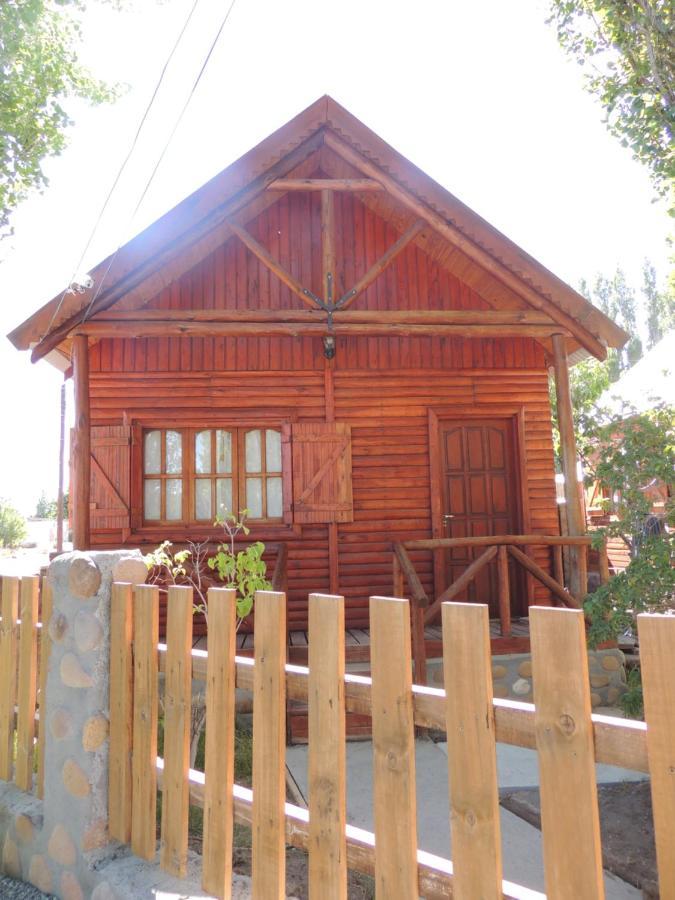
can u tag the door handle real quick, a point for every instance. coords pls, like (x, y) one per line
(449, 516)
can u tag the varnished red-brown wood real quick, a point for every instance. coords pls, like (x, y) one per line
(381, 387)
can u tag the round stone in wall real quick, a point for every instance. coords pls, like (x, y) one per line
(11, 861)
(131, 570)
(613, 695)
(596, 699)
(88, 631)
(75, 779)
(60, 724)
(23, 826)
(598, 681)
(610, 663)
(525, 668)
(500, 690)
(499, 671)
(70, 887)
(39, 874)
(72, 673)
(94, 733)
(84, 577)
(521, 687)
(61, 847)
(58, 626)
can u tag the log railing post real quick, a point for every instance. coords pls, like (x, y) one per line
(568, 456)
(504, 591)
(82, 444)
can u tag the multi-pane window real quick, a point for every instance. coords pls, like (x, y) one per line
(201, 474)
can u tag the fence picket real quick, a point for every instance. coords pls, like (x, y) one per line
(144, 772)
(45, 648)
(8, 650)
(269, 739)
(657, 649)
(121, 713)
(219, 748)
(326, 749)
(472, 760)
(27, 684)
(569, 803)
(177, 708)
(393, 749)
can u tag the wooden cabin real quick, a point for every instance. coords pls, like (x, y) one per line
(325, 336)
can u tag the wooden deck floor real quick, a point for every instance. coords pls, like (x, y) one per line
(357, 641)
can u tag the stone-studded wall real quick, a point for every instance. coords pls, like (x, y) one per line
(61, 844)
(512, 676)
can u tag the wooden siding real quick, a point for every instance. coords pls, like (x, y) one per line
(383, 388)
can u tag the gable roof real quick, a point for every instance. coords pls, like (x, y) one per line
(499, 269)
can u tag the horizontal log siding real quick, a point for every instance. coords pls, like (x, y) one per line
(390, 453)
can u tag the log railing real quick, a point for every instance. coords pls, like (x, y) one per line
(572, 861)
(490, 547)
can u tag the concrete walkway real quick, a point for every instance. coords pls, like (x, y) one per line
(521, 842)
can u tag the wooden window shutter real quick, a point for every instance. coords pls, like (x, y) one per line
(111, 478)
(322, 472)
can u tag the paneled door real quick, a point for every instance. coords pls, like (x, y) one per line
(480, 496)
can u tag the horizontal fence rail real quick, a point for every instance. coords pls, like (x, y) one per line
(559, 725)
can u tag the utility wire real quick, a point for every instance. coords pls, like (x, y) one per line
(166, 146)
(125, 162)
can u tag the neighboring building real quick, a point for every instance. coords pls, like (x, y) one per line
(649, 382)
(325, 336)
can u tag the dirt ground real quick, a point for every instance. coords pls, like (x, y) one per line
(626, 825)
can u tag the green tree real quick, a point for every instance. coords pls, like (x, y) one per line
(629, 49)
(12, 525)
(659, 306)
(39, 72)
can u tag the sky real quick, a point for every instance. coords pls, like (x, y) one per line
(479, 95)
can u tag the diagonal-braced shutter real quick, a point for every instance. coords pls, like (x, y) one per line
(110, 477)
(322, 473)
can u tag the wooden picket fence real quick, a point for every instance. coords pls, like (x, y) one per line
(25, 604)
(560, 726)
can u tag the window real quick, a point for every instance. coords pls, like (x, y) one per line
(200, 474)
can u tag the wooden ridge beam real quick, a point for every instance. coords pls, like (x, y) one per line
(325, 184)
(275, 267)
(458, 239)
(176, 328)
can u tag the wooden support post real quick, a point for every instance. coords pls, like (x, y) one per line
(219, 749)
(326, 765)
(121, 713)
(395, 802)
(45, 648)
(657, 649)
(269, 742)
(568, 455)
(27, 683)
(328, 288)
(558, 568)
(146, 697)
(603, 563)
(396, 577)
(8, 647)
(564, 731)
(82, 444)
(177, 709)
(504, 591)
(472, 758)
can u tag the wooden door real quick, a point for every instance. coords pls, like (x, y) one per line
(480, 496)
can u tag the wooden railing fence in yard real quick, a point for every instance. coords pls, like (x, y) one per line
(489, 547)
(25, 605)
(568, 738)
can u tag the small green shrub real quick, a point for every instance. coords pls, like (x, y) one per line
(632, 702)
(12, 526)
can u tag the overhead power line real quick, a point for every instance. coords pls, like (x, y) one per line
(125, 162)
(166, 146)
